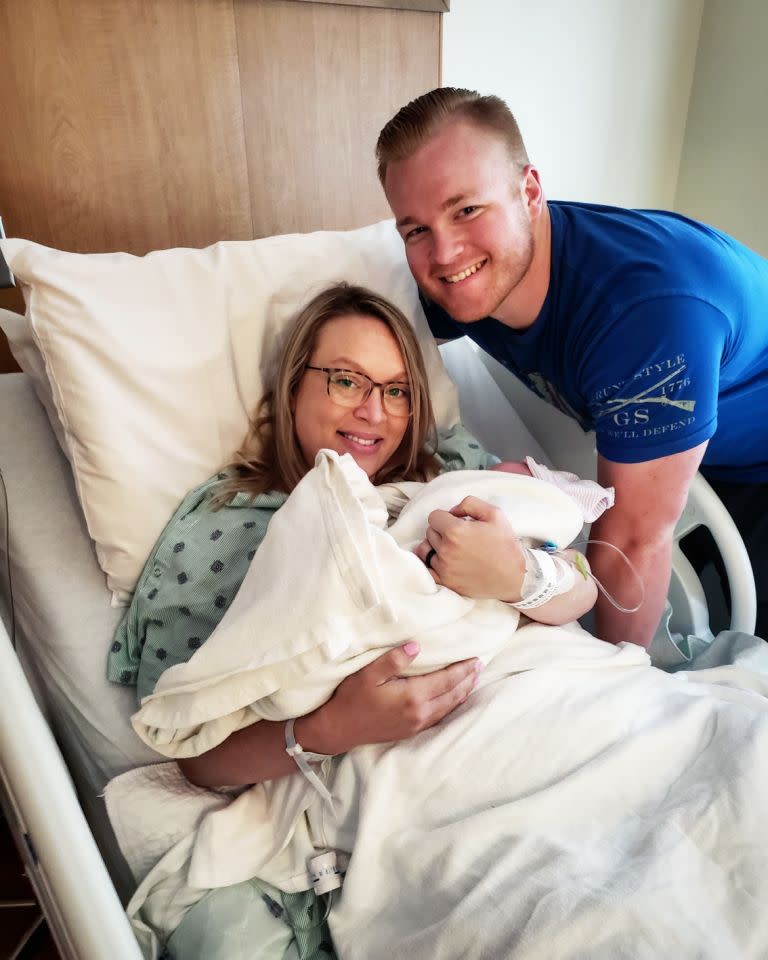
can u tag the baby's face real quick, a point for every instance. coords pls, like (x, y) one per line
(513, 466)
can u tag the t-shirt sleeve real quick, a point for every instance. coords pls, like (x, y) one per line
(442, 325)
(652, 379)
(458, 449)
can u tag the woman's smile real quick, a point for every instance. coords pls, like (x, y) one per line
(362, 442)
(356, 344)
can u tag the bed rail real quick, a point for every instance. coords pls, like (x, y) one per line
(64, 865)
(705, 508)
(570, 448)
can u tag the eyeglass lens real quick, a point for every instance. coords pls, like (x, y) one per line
(350, 389)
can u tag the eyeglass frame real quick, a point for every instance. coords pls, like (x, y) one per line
(329, 371)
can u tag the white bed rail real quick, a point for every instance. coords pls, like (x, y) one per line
(705, 508)
(569, 448)
(65, 867)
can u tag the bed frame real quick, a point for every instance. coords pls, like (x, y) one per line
(60, 856)
(571, 449)
(41, 777)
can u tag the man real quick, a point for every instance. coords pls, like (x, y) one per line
(645, 326)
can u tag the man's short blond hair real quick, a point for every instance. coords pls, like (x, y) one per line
(419, 120)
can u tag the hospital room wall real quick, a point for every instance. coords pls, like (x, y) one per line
(725, 150)
(600, 87)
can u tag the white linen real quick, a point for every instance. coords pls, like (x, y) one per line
(304, 619)
(149, 367)
(63, 619)
(593, 499)
(561, 814)
(581, 803)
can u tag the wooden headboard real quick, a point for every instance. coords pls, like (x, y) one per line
(141, 124)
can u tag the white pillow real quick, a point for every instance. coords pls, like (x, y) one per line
(151, 365)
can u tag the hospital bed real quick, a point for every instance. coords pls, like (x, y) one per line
(64, 730)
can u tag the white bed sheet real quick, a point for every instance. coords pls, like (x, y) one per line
(62, 611)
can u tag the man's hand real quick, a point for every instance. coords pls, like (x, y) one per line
(477, 552)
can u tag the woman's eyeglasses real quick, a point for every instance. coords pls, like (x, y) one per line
(351, 389)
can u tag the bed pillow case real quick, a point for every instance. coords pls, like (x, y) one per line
(149, 366)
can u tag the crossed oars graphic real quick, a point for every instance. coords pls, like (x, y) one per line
(618, 402)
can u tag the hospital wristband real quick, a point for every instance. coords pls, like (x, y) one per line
(303, 760)
(540, 581)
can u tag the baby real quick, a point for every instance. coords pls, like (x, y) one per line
(526, 502)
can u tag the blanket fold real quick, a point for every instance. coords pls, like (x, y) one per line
(304, 618)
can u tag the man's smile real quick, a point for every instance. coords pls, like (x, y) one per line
(465, 273)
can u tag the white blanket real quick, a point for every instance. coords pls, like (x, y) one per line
(579, 804)
(599, 814)
(330, 589)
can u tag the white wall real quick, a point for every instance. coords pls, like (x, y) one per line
(600, 87)
(723, 177)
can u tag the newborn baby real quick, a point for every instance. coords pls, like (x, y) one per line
(513, 539)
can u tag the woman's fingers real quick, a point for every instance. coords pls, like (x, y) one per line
(391, 664)
(480, 558)
(423, 701)
(377, 704)
(432, 541)
(441, 705)
(470, 508)
(432, 686)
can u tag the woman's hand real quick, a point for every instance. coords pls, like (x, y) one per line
(378, 705)
(374, 705)
(482, 559)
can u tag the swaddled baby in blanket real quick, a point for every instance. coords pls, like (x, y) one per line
(548, 574)
(296, 630)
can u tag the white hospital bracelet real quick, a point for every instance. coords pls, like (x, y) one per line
(303, 759)
(541, 566)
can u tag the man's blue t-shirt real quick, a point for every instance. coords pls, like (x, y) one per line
(653, 333)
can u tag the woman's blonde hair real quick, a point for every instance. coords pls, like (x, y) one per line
(419, 120)
(270, 457)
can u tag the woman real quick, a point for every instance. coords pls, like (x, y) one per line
(352, 379)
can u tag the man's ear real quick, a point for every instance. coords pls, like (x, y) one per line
(532, 192)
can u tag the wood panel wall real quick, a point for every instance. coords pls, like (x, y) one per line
(141, 124)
